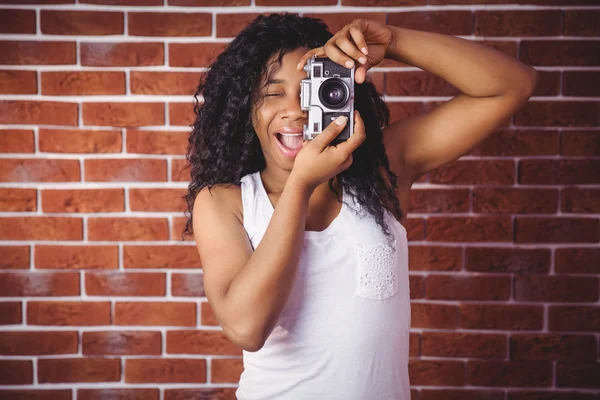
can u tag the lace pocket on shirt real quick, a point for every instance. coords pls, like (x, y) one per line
(377, 274)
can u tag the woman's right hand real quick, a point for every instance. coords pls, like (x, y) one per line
(317, 161)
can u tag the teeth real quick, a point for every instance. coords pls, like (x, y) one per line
(291, 134)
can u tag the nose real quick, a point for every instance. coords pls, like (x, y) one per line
(291, 108)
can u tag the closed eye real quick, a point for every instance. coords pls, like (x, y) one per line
(272, 94)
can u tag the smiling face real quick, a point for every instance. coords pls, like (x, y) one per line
(277, 110)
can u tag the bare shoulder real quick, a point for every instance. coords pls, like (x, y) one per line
(230, 197)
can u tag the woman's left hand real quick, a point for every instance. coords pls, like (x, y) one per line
(363, 40)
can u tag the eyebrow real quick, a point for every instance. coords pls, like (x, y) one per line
(275, 81)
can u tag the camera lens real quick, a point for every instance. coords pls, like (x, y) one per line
(333, 93)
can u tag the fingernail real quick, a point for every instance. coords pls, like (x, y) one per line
(298, 66)
(341, 120)
(349, 64)
(362, 60)
(364, 50)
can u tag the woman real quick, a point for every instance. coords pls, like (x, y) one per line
(302, 244)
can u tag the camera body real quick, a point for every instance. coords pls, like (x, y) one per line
(326, 94)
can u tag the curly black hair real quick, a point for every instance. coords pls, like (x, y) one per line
(223, 146)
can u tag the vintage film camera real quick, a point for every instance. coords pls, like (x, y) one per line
(326, 94)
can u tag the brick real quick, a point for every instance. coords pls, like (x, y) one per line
(518, 143)
(575, 200)
(208, 315)
(136, 3)
(83, 83)
(17, 141)
(55, 22)
(515, 201)
(417, 286)
(181, 114)
(125, 170)
(115, 393)
(161, 257)
(187, 284)
(128, 229)
(116, 283)
(10, 313)
(436, 373)
(492, 259)
(414, 344)
(439, 200)
(40, 394)
(79, 370)
(31, 112)
(577, 260)
(200, 342)
(440, 316)
(517, 23)
(194, 54)
(33, 284)
(336, 21)
(230, 25)
(571, 348)
(16, 372)
(123, 114)
(574, 318)
(80, 141)
(458, 344)
(558, 288)
(76, 257)
(178, 228)
(169, 24)
(578, 375)
(163, 200)
(434, 258)
(559, 113)
(86, 200)
(122, 54)
(383, 3)
(165, 370)
(121, 343)
(499, 172)
(548, 83)
(559, 172)
(14, 199)
(154, 313)
(30, 343)
(400, 110)
(39, 170)
(549, 395)
(581, 83)
(469, 229)
(17, 21)
(447, 287)
(509, 373)
(504, 317)
(30, 52)
(581, 22)
(417, 83)
(68, 313)
(165, 83)
(41, 228)
(556, 230)
(580, 143)
(446, 22)
(210, 392)
(17, 82)
(14, 257)
(157, 142)
(180, 171)
(455, 394)
(560, 52)
(226, 370)
(208, 3)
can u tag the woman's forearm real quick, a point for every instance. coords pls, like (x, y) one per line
(475, 69)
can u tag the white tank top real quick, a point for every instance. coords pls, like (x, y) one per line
(343, 333)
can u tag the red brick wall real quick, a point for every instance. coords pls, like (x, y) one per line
(99, 297)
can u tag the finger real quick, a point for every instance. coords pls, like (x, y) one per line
(319, 51)
(359, 39)
(350, 49)
(337, 56)
(357, 137)
(322, 140)
(360, 73)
